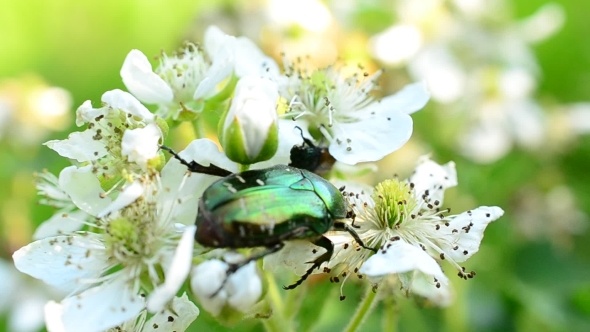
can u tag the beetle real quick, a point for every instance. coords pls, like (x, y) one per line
(265, 207)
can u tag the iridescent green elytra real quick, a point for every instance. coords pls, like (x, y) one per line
(265, 207)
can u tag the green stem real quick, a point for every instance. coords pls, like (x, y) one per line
(198, 128)
(243, 167)
(389, 315)
(277, 322)
(362, 311)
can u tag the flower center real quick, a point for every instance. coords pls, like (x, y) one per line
(183, 71)
(393, 202)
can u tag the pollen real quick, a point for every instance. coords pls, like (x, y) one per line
(393, 202)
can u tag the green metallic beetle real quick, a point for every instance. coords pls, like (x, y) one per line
(265, 207)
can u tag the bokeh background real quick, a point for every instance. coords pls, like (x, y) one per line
(511, 106)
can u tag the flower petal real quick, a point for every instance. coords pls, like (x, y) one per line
(53, 312)
(293, 257)
(244, 287)
(62, 261)
(141, 144)
(83, 188)
(371, 138)
(178, 317)
(176, 273)
(142, 82)
(221, 68)
(433, 177)
(61, 223)
(401, 257)
(101, 307)
(125, 102)
(181, 193)
(79, 146)
(129, 195)
(470, 226)
(410, 99)
(207, 278)
(86, 113)
(252, 61)
(424, 286)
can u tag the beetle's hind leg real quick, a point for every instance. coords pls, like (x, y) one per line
(340, 226)
(195, 167)
(234, 267)
(325, 243)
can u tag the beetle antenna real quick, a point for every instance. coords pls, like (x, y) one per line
(195, 167)
(305, 139)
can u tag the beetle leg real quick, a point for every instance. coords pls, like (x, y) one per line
(325, 243)
(195, 167)
(340, 226)
(233, 268)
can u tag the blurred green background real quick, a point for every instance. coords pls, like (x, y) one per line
(534, 263)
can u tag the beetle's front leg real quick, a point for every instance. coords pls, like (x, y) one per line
(325, 243)
(195, 167)
(341, 226)
(233, 268)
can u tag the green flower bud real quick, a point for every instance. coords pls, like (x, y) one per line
(249, 130)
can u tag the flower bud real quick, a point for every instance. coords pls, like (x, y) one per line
(249, 130)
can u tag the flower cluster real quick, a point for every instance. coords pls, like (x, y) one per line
(123, 244)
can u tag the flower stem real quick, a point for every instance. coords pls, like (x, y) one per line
(362, 311)
(243, 167)
(277, 322)
(198, 129)
(389, 315)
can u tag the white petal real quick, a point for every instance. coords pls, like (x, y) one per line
(125, 102)
(142, 82)
(251, 60)
(401, 257)
(83, 188)
(213, 40)
(221, 68)
(295, 256)
(467, 242)
(207, 278)
(129, 195)
(188, 189)
(53, 312)
(61, 223)
(79, 146)
(433, 177)
(62, 261)
(527, 119)
(178, 317)
(86, 113)
(244, 288)
(8, 287)
(102, 307)
(413, 97)
(424, 286)
(177, 272)
(141, 144)
(370, 139)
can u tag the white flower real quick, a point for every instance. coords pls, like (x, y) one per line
(240, 291)
(250, 128)
(406, 222)
(342, 109)
(101, 143)
(248, 59)
(141, 144)
(105, 272)
(177, 317)
(182, 81)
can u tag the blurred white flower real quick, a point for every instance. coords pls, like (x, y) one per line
(141, 144)
(358, 127)
(309, 14)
